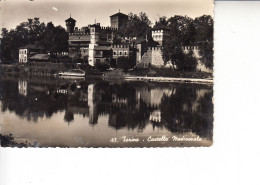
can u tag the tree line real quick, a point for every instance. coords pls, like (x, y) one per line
(184, 31)
(55, 38)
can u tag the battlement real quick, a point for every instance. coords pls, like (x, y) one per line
(120, 46)
(129, 38)
(82, 31)
(190, 47)
(79, 33)
(108, 28)
(160, 31)
(158, 48)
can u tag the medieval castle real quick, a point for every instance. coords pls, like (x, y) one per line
(97, 43)
(100, 44)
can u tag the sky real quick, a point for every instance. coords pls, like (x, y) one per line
(13, 12)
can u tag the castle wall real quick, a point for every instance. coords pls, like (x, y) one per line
(121, 50)
(160, 36)
(196, 54)
(153, 58)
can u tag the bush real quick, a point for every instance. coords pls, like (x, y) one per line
(123, 63)
(185, 62)
(102, 66)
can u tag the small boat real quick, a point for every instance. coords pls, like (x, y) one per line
(74, 72)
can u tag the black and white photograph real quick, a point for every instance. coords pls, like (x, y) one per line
(106, 73)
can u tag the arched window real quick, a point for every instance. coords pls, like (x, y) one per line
(125, 53)
(120, 53)
(114, 52)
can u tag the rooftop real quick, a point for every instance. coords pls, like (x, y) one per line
(102, 48)
(119, 14)
(40, 57)
(70, 20)
(32, 46)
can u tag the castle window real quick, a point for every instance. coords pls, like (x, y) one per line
(114, 53)
(125, 53)
(98, 53)
(120, 53)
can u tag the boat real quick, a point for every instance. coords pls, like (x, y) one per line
(73, 73)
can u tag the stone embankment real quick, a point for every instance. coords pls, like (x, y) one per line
(168, 79)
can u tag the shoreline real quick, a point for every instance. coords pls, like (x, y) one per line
(168, 79)
(116, 75)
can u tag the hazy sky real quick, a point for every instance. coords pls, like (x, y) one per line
(13, 12)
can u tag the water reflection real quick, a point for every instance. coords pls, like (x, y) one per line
(133, 107)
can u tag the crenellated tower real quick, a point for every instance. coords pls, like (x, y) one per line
(70, 24)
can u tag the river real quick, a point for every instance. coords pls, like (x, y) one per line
(54, 112)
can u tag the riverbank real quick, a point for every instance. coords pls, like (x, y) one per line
(118, 75)
(167, 79)
(46, 69)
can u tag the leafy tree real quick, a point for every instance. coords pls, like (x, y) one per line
(136, 26)
(123, 63)
(55, 39)
(35, 29)
(25, 33)
(163, 22)
(101, 66)
(204, 38)
(189, 62)
(186, 31)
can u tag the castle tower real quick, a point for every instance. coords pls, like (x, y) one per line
(94, 38)
(160, 35)
(70, 24)
(118, 20)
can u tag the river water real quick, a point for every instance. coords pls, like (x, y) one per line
(54, 112)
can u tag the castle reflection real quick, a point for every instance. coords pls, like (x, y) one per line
(130, 105)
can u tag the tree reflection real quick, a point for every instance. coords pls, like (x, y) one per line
(175, 107)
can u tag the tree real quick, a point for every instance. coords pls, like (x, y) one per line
(35, 30)
(163, 22)
(123, 63)
(55, 39)
(101, 66)
(204, 38)
(25, 33)
(136, 26)
(186, 31)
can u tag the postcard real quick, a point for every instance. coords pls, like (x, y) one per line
(106, 73)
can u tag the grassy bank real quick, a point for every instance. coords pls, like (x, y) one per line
(45, 69)
(50, 69)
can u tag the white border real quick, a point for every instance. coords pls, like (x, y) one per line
(234, 157)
